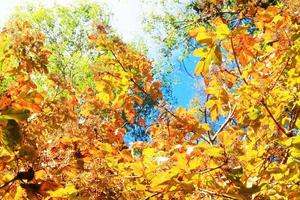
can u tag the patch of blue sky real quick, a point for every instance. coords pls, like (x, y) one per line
(185, 89)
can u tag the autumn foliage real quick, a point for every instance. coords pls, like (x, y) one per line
(59, 142)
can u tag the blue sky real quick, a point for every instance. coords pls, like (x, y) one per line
(184, 90)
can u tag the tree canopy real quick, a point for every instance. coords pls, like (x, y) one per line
(69, 94)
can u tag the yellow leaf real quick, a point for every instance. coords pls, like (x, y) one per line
(201, 35)
(40, 175)
(68, 191)
(202, 67)
(296, 141)
(102, 92)
(204, 38)
(200, 52)
(278, 176)
(215, 152)
(226, 138)
(140, 187)
(164, 177)
(106, 147)
(138, 168)
(181, 162)
(222, 30)
(214, 113)
(194, 32)
(205, 127)
(20, 194)
(149, 152)
(195, 163)
(298, 123)
(254, 113)
(210, 103)
(4, 153)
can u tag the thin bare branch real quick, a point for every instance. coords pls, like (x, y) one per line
(185, 69)
(228, 119)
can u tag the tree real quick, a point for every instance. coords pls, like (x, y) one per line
(249, 62)
(67, 30)
(46, 135)
(248, 52)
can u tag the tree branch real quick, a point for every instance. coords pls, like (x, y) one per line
(217, 194)
(212, 169)
(228, 119)
(205, 120)
(274, 120)
(184, 67)
(152, 195)
(118, 60)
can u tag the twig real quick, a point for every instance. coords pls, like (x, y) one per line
(274, 120)
(295, 113)
(152, 195)
(205, 110)
(132, 177)
(205, 120)
(212, 169)
(228, 119)
(118, 60)
(285, 157)
(217, 194)
(184, 67)
(206, 139)
(7, 183)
